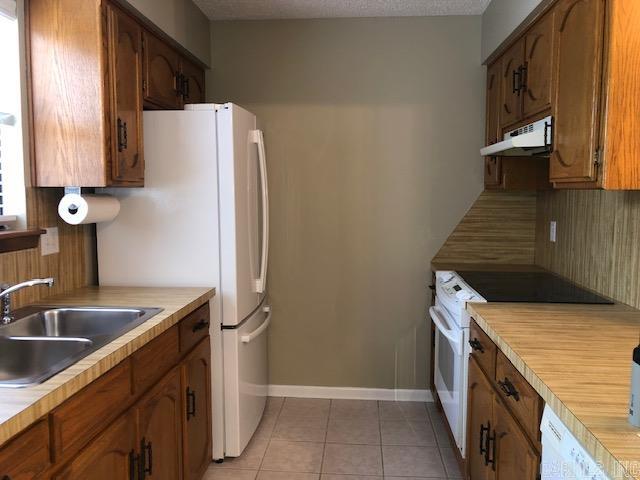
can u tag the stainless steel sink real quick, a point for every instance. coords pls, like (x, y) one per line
(43, 341)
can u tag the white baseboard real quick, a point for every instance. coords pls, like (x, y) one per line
(350, 393)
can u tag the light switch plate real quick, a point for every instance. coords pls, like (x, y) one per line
(49, 242)
(552, 231)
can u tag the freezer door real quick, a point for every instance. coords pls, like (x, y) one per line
(244, 213)
(245, 379)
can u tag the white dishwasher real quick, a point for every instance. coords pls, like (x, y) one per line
(563, 457)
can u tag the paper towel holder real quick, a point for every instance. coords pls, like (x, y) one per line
(69, 191)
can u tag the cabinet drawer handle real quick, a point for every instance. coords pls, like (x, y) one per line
(509, 389)
(476, 345)
(200, 325)
(191, 403)
(146, 456)
(122, 135)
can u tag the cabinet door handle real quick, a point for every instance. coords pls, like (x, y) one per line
(146, 456)
(476, 345)
(200, 325)
(483, 449)
(517, 80)
(179, 84)
(509, 389)
(523, 78)
(185, 87)
(122, 135)
(191, 403)
(490, 455)
(133, 465)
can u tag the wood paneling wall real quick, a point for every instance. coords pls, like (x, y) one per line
(597, 243)
(70, 267)
(498, 228)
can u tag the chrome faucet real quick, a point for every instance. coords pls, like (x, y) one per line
(7, 290)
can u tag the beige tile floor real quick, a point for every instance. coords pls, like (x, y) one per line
(314, 439)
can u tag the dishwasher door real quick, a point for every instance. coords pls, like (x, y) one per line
(563, 457)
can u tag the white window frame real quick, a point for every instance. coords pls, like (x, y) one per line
(15, 173)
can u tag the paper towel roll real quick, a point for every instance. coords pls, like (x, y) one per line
(80, 209)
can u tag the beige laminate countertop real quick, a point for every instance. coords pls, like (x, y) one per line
(578, 358)
(21, 407)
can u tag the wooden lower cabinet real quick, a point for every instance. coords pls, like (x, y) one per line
(159, 429)
(110, 456)
(502, 423)
(139, 421)
(196, 377)
(26, 456)
(510, 453)
(480, 415)
(497, 447)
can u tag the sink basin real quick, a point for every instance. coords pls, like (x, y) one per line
(29, 361)
(43, 341)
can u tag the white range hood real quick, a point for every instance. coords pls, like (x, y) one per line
(529, 140)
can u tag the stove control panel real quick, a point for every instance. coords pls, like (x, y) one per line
(453, 287)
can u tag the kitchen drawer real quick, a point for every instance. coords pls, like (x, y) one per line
(519, 396)
(85, 414)
(27, 455)
(482, 349)
(194, 328)
(155, 359)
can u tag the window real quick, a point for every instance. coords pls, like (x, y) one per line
(12, 165)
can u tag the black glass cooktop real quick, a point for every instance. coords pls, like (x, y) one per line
(532, 287)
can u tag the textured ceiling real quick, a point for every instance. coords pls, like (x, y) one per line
(272, 9)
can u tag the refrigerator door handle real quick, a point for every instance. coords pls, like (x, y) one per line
(258, 138)
(258, 331)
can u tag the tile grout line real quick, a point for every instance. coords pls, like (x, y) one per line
(264, 455)
(324, 445)
(444, 465)
(380, 432)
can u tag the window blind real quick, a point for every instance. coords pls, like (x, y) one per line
(8, 8)
(7, 121)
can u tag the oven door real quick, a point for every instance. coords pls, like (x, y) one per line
(449, 369)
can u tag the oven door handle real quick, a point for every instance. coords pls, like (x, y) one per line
(441, 324)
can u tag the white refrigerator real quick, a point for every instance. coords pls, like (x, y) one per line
(202, 219)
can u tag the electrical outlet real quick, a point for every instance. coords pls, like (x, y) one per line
(552, 231)
(49, 242)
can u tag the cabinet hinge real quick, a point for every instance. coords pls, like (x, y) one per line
(144, 85)
(597, 157)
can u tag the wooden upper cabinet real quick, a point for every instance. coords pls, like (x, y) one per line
(511, 85)
(192, 83)
(162, 73)
(69, 96)
(579, 32)
(110, 456)
(196, 382)
(93, 68)
(86, 100)
(493, 103)
(537, 74)
(511, 455)
(125, 65)
(159, 416)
